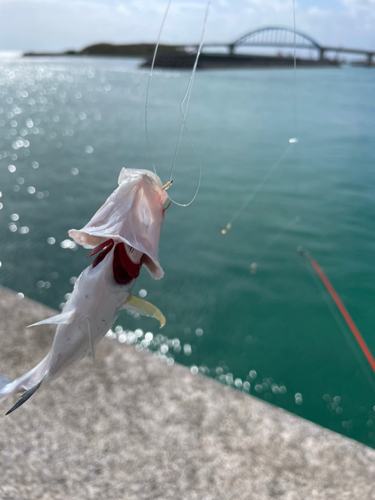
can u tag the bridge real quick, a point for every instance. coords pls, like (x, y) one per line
(281, 37)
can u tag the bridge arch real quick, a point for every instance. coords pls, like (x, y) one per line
(276, 36)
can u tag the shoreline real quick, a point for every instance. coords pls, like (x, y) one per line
(129, 426)
(177, 57)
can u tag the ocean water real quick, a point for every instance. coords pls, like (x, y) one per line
(242, 307)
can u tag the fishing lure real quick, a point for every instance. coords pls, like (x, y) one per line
(125, 234)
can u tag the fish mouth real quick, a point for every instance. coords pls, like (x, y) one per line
(133, 214)
(127, 261)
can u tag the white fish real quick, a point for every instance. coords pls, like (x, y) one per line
(125, 231)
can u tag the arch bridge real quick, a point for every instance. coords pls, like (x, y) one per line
(278, 36)
(275, 36)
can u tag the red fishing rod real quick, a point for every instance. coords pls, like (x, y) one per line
(349, 321)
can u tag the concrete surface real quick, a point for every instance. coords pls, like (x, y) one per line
(129, 427)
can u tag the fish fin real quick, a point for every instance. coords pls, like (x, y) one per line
(4, 381)
(92, 347)
(25, 397)
(60, 319)
(144, 308)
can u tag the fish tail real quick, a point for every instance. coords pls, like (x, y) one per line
(25, 397)
(28, 382)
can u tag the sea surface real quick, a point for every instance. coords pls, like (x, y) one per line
(242, 305)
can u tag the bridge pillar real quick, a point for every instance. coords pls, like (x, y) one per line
(321, 53)
(369, 58)
(231, 49)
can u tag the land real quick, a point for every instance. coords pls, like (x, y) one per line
(128, 426)
(111, 50)
(174, 56)
(216, 61)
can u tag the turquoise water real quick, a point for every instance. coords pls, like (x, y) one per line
(67, 127)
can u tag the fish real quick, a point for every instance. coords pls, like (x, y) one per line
(124, 234)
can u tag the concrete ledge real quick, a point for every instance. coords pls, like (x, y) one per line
(130, 427)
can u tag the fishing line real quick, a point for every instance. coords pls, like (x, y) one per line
(256, 190)
(149, 82)
(292, 140)
(295, 69)
(185, 104)
(345, 314)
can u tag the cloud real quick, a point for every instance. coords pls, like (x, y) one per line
(44, 25)
(359, 6)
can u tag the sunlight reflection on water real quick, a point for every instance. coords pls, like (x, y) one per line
(240, 308)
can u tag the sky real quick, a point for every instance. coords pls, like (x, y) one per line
(55, 25)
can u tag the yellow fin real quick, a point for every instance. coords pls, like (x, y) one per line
(144, 308)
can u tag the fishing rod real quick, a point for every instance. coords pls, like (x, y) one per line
(348, 319)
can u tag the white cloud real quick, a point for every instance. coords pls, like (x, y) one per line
(359, 6)
(59, 25)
